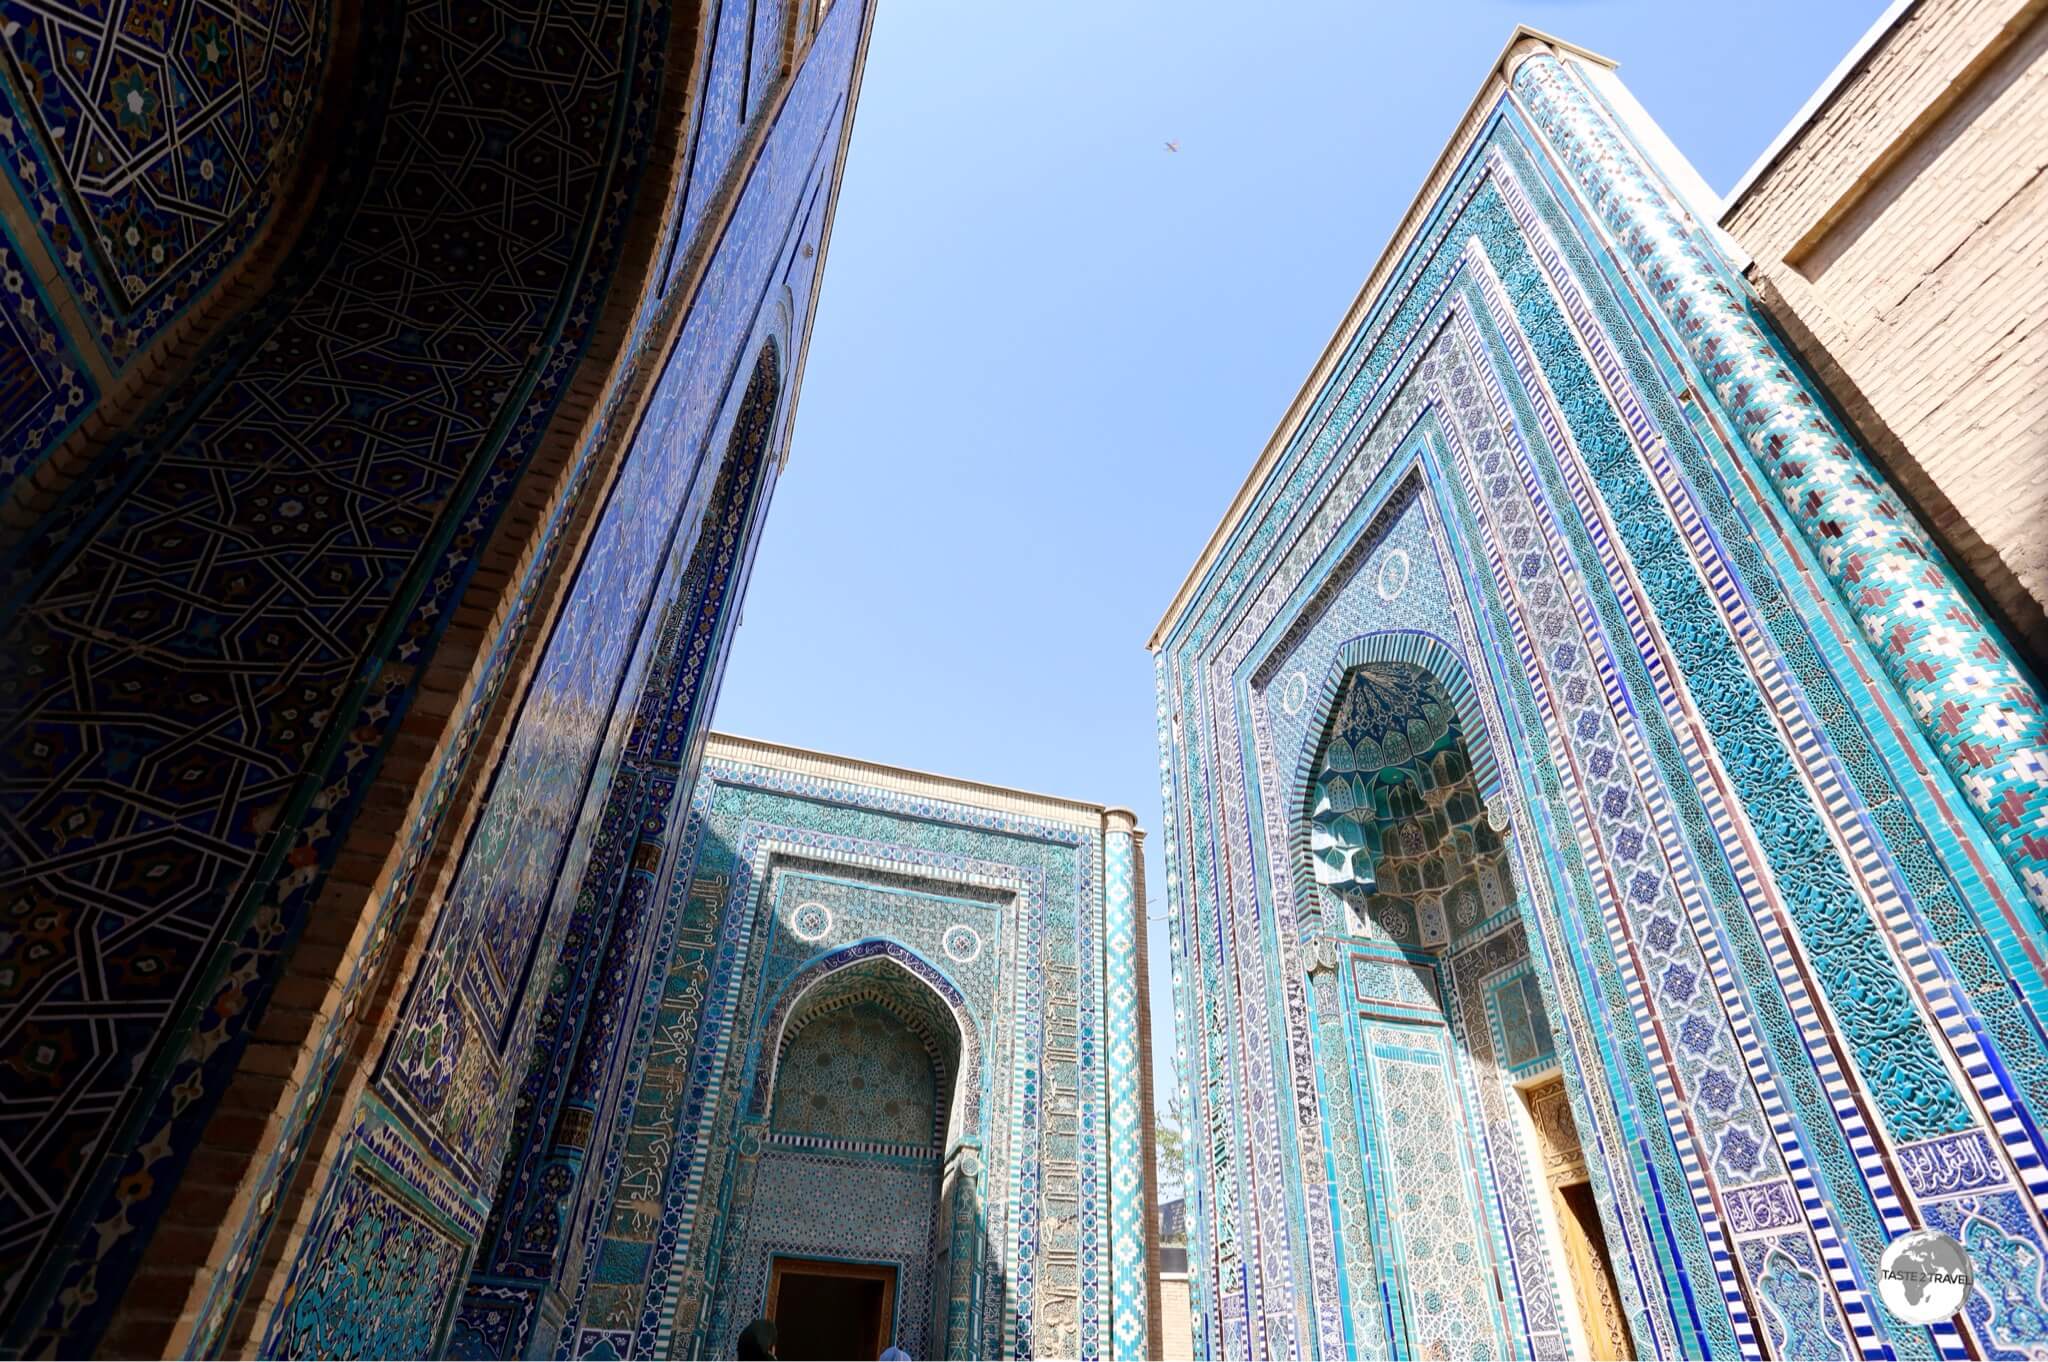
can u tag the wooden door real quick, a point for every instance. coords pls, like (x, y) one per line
(1595, 1290)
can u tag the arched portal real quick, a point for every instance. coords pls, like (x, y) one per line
(855, 1160)
(528, 1263)
(1475, 1186)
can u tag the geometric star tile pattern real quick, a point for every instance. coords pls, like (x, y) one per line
(183, 662)
(44, 389)
(151, 141)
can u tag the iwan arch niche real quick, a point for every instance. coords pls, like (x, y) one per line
(865, 1149)
(1416, 920)
(820, 919)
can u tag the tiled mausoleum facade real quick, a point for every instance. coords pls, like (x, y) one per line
(1607, 842)
(391, 395)
(884, 1018)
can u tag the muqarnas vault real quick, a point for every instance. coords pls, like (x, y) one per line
(1605, 840)
(891, 1020)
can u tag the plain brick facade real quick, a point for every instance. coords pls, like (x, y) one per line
(1901, 240)
(1176, 1320)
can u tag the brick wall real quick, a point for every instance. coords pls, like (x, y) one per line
(1177, 1335)
(1901, 240)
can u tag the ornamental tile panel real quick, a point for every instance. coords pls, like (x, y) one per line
(152, 142)
(1788, 982)
(279, 544)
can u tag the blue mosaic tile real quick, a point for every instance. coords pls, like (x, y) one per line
(1720, 931)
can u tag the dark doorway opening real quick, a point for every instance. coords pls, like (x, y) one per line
(824, 1310)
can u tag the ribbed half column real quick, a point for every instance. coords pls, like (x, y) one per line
(1982, 717)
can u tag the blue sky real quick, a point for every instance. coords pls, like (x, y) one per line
(1048, 350)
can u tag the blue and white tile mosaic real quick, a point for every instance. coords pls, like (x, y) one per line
(798, 905)
(1688, 849)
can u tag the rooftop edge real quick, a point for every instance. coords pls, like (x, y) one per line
(1404, 232)
(980, 794)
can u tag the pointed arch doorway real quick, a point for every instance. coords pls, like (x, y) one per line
(854, 1163)
(1472, 1209)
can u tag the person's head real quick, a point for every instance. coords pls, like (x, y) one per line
(757, 1341)
(892, 1353)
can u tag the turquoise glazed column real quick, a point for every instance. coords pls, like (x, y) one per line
(1979, 713)
(1123, 1043)
(962, 1309)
